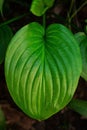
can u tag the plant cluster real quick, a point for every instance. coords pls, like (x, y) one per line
(43, 64)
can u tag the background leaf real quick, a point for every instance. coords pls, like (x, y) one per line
(1, 5)
(79, 106)
(39, 7)
(5, 37)
(82, 41)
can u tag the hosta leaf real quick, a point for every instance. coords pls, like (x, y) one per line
(1, 5)
(42, 69)
(82, 40)
(79, 106)
(5, 36)
(39, 7)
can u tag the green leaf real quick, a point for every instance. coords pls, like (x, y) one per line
(82, 41)
(5, 37)
(1, 5)
(79, 106)
(42, 69)
(39, 7)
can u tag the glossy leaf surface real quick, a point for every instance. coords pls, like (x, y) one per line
(82, 40)
(5, 37)
(42, 69)
(39, 7)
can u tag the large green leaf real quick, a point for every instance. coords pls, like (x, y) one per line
(42, 69)
(5, 37)
(1, 5)
(39, 7)
(82, 40)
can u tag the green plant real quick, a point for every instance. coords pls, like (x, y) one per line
(82, 41)
(43, 65)
(80, 106)
(39, 7)
(41, 69)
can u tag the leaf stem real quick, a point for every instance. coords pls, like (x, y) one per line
(69, 13)
(12, 20)
(44, 21)
(71, 6)
(78, 10)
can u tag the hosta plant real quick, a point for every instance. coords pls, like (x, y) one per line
(39, 7)
(42, 69)
(43, 66)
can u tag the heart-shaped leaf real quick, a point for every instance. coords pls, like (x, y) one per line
(39, 7)
(82, 40)
(42, 69)
(5, 37)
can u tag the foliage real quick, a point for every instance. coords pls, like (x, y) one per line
(41, 69)
(82, 41)
(39, 7)
(79, 106)
(5, 37)
(43, 64)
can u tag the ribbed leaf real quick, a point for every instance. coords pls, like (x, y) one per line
(5, 36)
(79, 106)
(42, 69)
(82, 40)
(39, 7)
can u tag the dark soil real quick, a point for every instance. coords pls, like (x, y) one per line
(65, 119)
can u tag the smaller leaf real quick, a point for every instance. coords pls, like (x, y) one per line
(39, 7)
(79, 106)
(5, 36)
(1, 5)
(82, 41)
